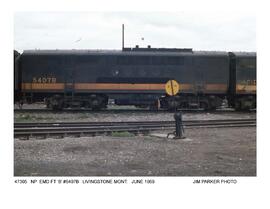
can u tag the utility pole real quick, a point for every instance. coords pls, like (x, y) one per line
(123, 37)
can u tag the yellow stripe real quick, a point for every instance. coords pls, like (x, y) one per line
(92, 86)
(117, 86)
(240, 88)
(216, 87)
(185, 87)
(42, 86)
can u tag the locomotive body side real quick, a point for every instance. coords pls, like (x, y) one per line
(89, 78)
(211, 71)
(211, 77)
(245, 87)
(134, 78)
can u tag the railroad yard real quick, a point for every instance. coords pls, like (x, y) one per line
(206, 150)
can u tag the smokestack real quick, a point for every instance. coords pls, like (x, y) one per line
(123, 37)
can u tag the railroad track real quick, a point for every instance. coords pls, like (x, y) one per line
(95, 128)
(78, 110)
(107, 111)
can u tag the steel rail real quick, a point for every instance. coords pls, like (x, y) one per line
(107, 111)
(80, 124)
(34, 130)
(135, 127)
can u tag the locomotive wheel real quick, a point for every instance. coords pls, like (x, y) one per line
(86, 105)
(56, 102)
(141, 106)
(96, 108)
(153, 107)
(48, 105)
(238, 105)
(184, 105)
(47, 102)
(212, 108)
(57, 107)
(172, 104)
(204, 105)
(98, 102)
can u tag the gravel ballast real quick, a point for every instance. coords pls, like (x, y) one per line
(204, 152)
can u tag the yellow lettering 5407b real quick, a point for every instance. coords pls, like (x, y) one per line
(248, 82)
(43, 80)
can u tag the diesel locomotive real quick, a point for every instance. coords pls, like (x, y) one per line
(135, 76)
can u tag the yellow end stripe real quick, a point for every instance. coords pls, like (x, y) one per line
(245, 88)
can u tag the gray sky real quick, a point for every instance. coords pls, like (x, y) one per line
(230, 31)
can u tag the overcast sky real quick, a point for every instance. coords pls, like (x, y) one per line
(102, 30)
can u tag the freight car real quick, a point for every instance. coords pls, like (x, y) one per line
(137, 76)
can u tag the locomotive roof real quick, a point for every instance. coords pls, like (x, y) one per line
(120, 52)
(245, 54)
(212, 53)
(98, 52)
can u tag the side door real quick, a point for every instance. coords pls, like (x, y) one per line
(199, 77)
(69, 83)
